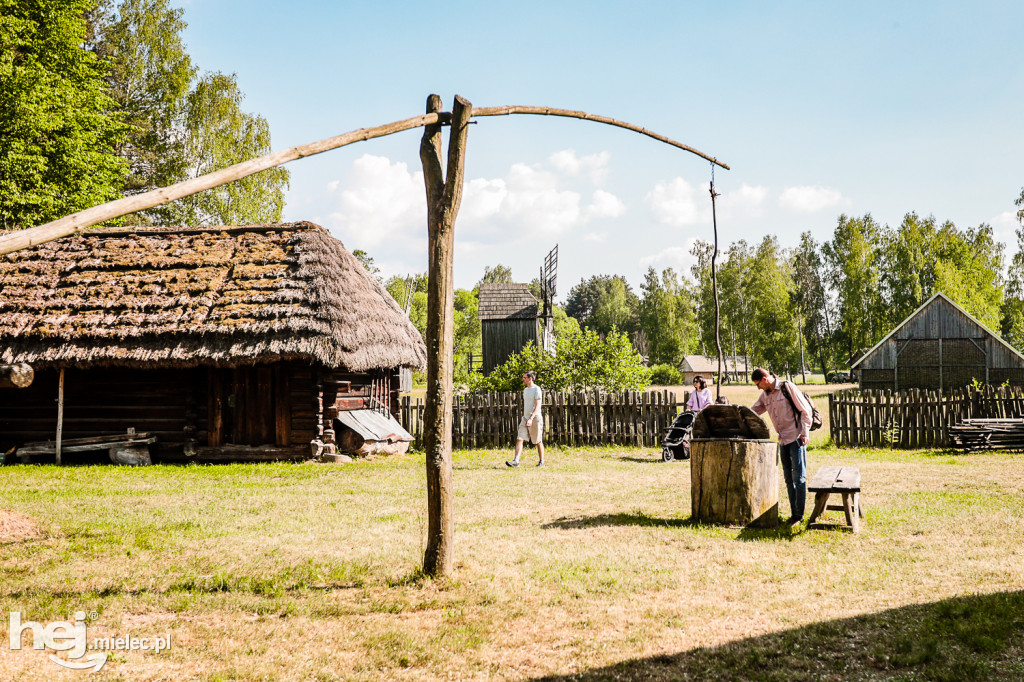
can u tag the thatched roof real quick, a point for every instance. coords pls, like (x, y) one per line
(199, 296)
(507, 302)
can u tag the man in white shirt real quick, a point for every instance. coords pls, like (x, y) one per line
(531, 426)
(792, 421)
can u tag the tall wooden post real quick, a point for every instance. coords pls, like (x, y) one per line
(444, 194)
(60, 415)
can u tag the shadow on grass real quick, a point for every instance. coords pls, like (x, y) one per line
(636, 518)
(965, 638)
(645, 460)
(639, 518)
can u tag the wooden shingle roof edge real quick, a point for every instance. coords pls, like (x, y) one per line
(911, 316)
(507, 301)
(188, 296)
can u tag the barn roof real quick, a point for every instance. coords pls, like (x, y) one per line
(199, 296)
(706, 363)
(938, 295)
(507, 302)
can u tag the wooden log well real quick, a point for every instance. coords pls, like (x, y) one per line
(734, 476)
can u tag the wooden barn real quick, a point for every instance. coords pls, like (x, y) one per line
(940, 346)
(508, 321)
(222, 343)
(735, 368)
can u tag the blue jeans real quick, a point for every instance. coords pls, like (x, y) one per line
(794, 469)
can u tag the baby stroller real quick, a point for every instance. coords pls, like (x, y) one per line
(676, 444)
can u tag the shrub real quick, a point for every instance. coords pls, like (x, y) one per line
(666, 375)
(582, 359)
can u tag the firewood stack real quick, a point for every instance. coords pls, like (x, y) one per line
(972, 435)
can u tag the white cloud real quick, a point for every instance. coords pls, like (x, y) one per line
(379, 205)
(529, 202)
(593, 166)
(1005, 226)
(1006, 219)
(747, 199)
(676, 203)
(604, 205)
(678, 258)
(596, 237)
(807, 199)
(380, 202)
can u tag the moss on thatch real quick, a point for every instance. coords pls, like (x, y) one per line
(191, 296)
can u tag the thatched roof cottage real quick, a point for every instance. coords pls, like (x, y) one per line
(222, 343)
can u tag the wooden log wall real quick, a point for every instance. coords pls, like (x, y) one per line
(915, 418)
(491, 420)
(168, 403)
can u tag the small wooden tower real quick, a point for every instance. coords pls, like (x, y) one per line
(508, 321)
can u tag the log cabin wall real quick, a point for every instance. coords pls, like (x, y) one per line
(262, 405)
(106, 401)
(217, 412)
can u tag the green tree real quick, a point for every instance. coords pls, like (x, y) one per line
(735, 268)
(218, 134)
(852, 271)
(499, 274)
(403, 288)
(58, 129)
(602, 303)
(582, 359)
(666, 316)
(150, 77)
(810, 295)
(468, 338)
(772, 319)
(968, 269)
(1012, 323)
(907, 266)
(366, 260)
(181, 127)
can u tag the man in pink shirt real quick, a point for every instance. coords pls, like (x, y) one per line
(791, 417)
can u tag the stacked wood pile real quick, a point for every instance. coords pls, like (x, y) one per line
(987, 434)
(488, 420)
(915, 418)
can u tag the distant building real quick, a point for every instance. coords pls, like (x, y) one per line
(508, 321)
(736, 367)
(939, 346)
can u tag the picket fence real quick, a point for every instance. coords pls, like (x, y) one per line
(915, 418)
(489, 420)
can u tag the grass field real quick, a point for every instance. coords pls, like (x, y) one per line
(589, 569)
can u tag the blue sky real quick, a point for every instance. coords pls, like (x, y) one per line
(820, 108)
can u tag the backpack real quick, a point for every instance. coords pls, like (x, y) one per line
(815, 415)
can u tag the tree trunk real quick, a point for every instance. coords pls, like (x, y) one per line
(734, 482)
(16, 376)
(444, 194)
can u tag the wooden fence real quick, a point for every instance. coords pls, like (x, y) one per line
(914, 418)
(488, 420)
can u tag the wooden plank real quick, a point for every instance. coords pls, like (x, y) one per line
(824, 479)
(847, 479)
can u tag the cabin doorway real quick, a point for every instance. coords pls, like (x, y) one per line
(248, 406)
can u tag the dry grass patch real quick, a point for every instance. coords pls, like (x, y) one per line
(590, 568)
(15, 527)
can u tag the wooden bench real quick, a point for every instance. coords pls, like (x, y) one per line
(844, 480)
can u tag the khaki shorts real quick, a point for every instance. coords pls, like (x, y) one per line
(534, 433)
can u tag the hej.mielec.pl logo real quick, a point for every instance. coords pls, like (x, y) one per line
(72, 637)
